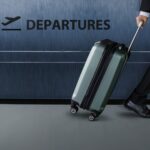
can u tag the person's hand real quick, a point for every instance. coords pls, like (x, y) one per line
(142, 19)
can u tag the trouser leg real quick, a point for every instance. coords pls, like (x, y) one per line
(141, 91)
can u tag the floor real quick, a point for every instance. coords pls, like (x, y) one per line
(52, 127)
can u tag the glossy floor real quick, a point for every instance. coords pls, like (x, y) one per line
(52, 127)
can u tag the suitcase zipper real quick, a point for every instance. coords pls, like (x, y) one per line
(102, 67)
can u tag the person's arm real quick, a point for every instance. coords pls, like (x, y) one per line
(144, 12)
(145, 6)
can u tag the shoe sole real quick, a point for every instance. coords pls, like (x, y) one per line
(131, 109)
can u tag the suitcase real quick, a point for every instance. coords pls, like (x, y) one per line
(99, 76)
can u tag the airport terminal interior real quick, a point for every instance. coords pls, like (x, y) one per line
(44, 45)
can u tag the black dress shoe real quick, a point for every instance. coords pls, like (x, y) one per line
(140, 109)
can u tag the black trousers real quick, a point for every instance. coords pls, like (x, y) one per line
(142, 90)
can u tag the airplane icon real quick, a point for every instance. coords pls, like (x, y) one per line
(10, 20)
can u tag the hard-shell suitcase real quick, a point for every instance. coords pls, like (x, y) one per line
(99, 76)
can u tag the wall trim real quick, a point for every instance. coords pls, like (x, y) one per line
(54, 101)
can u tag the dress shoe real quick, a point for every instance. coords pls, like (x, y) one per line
(140, 109)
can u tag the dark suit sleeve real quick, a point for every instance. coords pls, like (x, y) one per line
(145, 6)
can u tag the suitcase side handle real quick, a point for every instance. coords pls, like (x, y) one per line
(135, 35)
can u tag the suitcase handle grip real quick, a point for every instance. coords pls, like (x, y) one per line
(135, 35)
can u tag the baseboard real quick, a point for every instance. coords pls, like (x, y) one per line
(54, 101)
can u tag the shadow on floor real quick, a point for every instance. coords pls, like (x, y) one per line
(129, 115)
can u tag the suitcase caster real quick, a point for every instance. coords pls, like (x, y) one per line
(93, 115)
(74, 107)
(74, 110)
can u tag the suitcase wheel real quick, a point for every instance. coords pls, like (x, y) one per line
(74, 107)
(93, 115)
(74, 110)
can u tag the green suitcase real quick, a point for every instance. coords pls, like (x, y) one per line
(99, 76)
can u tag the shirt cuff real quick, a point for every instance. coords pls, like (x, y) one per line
(143, 13)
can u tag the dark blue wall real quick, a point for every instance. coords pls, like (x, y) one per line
(52, 72)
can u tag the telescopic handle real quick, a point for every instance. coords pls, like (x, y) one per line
(135, 35)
